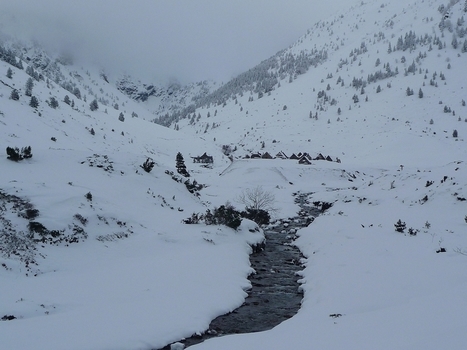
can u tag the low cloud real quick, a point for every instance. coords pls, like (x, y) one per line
(183, 40)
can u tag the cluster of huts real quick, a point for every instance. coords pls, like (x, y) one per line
(302, 158)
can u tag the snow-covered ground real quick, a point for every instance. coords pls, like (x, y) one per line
(138, 278)
(367, 286)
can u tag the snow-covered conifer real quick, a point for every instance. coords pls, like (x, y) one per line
(14, 95)
(180, 165)
(29, 86)
(94, 105)
(34, 103)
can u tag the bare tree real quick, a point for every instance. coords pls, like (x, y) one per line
(257, 199)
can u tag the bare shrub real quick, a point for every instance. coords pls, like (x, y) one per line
(257, 199)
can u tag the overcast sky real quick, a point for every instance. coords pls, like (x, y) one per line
(187, 40)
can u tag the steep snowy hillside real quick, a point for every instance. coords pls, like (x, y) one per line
(83, 227)
(165, 100)
(94, 249)
(389, 68)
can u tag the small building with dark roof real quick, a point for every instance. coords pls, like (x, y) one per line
(205, 159)
(281, 155)
(255, 155)
(319, 157)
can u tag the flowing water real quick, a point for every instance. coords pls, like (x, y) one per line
(275, 293)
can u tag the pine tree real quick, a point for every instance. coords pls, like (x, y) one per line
(94, 105)
(29, 86)
(34, 103)
(454, 134)
(464, 47)
(30, 71)
(180, 165)
(13, 153)
(14, 95)
(420, 93)
(121, 117)
(148, 165)
(26, 152)
(67, 99)
(400, 226)
(454, 41)
(53, 102)
(9, 73)
(77, 93)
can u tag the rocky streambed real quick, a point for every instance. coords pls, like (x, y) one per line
(275, 293)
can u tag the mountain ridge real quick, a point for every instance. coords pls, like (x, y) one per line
(346, 78)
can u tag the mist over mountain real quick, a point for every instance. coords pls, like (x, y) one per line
(165, 40)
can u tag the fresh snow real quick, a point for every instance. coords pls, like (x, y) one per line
(142, 279)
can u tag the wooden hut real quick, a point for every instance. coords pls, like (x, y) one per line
(255, 155)
(281, 155)
(205, 159)
(294, 156)
(304, 160)
(320, 157)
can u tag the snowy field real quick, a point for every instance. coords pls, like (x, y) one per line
(126, 273)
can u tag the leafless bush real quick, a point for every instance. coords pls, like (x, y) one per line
(258, 199)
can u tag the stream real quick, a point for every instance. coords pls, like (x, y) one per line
(275, 293)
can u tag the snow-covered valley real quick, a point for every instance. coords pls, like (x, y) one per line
(94, 252)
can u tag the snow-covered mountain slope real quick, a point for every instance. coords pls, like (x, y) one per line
(163, 100)
(83, 228)
(359, 90)
(93, 251)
